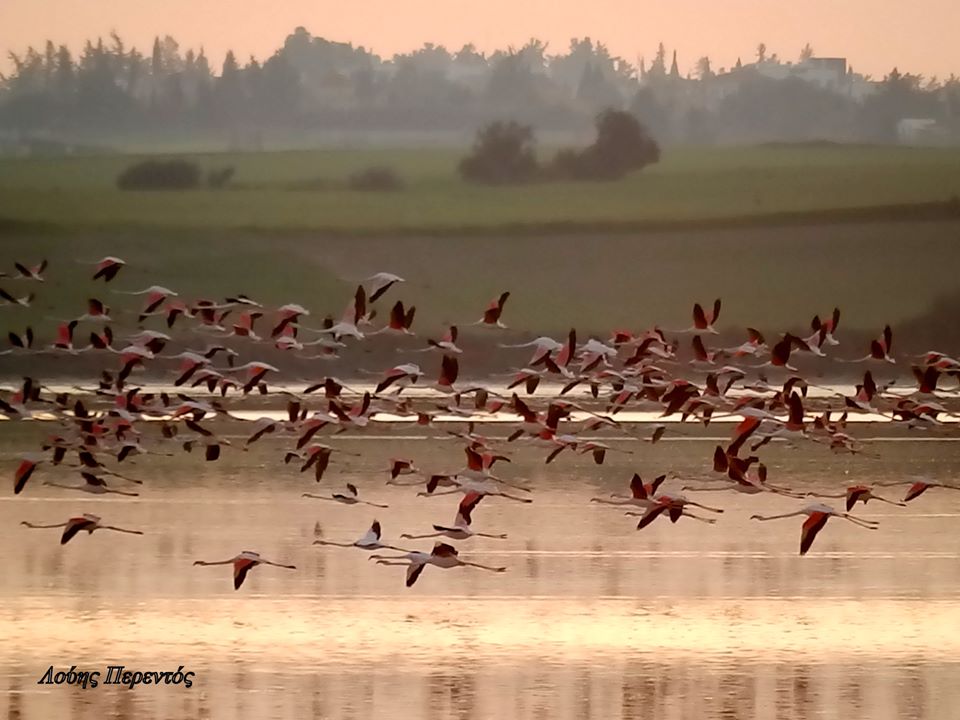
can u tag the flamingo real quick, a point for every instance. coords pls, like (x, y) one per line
(675, 507)
(401, 375)
(447, 343)
(156, 296)
(92, 484)
(817, 516)
(642, 494)
(28, 464)
(75, 525)
(242, 564)
(460, 530)
(350, 497)
(443, 556)
(25, 272)
(854, 493)
(107, 268)
(9, 299)
(401, 466)
(880, 348)
(491, 316)
(400, 320)
(701, 321)
(20, 342)
(369, 541)
(918, 488)
(380, 283)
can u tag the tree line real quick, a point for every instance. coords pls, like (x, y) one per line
(111, 90)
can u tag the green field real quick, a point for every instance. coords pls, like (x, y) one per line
(764, 228)
(689, 186)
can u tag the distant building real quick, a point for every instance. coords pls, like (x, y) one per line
(831, 74)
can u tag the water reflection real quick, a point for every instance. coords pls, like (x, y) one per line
(593, 619)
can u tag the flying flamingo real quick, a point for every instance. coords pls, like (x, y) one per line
(380, 283)
(855, 493)
(108, 268)
(75, 525)
(701, 321)
(28, 464)
(448, 343)
(400, 320)
(491, 316)
(402, 376)
(369, 541)
(675, 507)
(460, 530)
(918, 488)
(156, 296)
(93, 484)
(879, 348)
(817, 516)
(442, 556)
(9, 299)
(242, 564)
(25, 272)
(350, 497)
(642, 494)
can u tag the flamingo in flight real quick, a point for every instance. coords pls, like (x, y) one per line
(26, 272)
(350, 497)
(447, 343)
(369, 541)
(108, 268)
(491, 316)
(9, 299)
(75, 525)
(92, 484)
(857, 493)
(380, 283)
(242, 564)
(675, 507)
(817, 516)
(461, 529)
(442, 556)
(28, 464)
(918, 488)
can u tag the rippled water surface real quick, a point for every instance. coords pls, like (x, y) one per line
(593, 619)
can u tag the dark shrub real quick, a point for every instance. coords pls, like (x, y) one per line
(160, 175)
(375, 179)
(622, 145)
(220, 178)
(502, 153)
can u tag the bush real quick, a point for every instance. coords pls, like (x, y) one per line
(160, 175)
(623, 144)
(376, 179)
(217, 179)
(502, 153)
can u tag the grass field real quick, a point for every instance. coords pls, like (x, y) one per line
(689, 186)
(593, 256)
(773, 278)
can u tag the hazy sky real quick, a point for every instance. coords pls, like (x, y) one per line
(874, 35)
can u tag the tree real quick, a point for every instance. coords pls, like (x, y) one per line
(704, 70)
(806, 53)
(658, 68)
(761, 52)
(623, 145)
(502, 153)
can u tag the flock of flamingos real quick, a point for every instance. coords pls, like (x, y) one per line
(638, 371)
